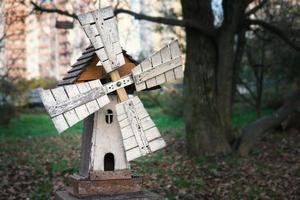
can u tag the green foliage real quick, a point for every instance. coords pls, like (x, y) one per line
(172, 103)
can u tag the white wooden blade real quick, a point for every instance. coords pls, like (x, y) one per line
(101, 28)
(164, 65)
(69, 104)
(140, 136)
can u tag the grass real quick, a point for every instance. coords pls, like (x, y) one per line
(37, 124)
(29, 124)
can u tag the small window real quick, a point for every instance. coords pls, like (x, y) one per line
(109, 116)
(109, 162)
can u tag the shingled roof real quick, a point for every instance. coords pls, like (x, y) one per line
(77, 68)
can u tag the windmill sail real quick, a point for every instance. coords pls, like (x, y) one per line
(101, 28)
(70, 104)
(139, 133)
(164, 65)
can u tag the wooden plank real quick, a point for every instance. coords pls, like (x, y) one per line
(107, 12)
(166, 57)
(85, 18)
(65, 104)
(147, 123)
(152, 134)
(147, 65)
(73, 91)
(47, 98)
(157, 144)
(92, 106)
(104, 30)
(103, 100)
(175, 50)
(97, 42)
(178, 71)
(60, 123)
(138, 70)
(130, 143)
(124, 123)
(133, 154)
(60, 95)
(153, 72)
(71, 117)
(90, 30)
(101, 53)
(156, 60)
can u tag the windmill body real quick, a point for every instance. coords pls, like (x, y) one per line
(117, 129)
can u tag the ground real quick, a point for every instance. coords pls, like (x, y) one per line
(37, 165)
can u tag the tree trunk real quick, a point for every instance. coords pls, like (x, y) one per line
(204, 126)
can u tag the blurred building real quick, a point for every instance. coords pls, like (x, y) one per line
(45, 45)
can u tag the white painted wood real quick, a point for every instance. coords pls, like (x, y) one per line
(107, 12)
(157, 144)
(133, 154)
(152, 134)
(147, 123)
(153, 72)
(59, 94)
(107, 138)
(86, 18)
(101, 28)
(47, 98)
(71, 117)
(156, 60)
(137, 129)
(97, 42)
(178, 71)
(73, 91)
(130, 143)
(102, 101)
(60, 123)
(175, 50)
(101, 53)
(92, 106)
(127, 132)
(166, 57)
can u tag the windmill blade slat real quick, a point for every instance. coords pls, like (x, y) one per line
(101, 28)
(67, 105)
(82, 111)
(140, 136)
(164, 65)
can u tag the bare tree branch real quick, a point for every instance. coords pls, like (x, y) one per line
(275, 30)
(168, 21)
(39, 8)
(256, 8)
(138, 16)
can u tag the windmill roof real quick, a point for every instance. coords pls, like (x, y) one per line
(78, 67)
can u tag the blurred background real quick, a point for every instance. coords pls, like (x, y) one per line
(38, 47)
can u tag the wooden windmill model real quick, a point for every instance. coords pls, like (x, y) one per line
(118, 129)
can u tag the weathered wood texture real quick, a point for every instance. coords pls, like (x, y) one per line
(107, 175)
(86, 146)
(101, 28)
(140, 136)
(69, 104)
(164, 65)
(107, 138)
(80, 187)
(143, 195)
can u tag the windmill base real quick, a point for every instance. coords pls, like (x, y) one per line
(82, 187)
(143, 195)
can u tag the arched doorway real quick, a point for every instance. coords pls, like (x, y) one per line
(109, 162)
